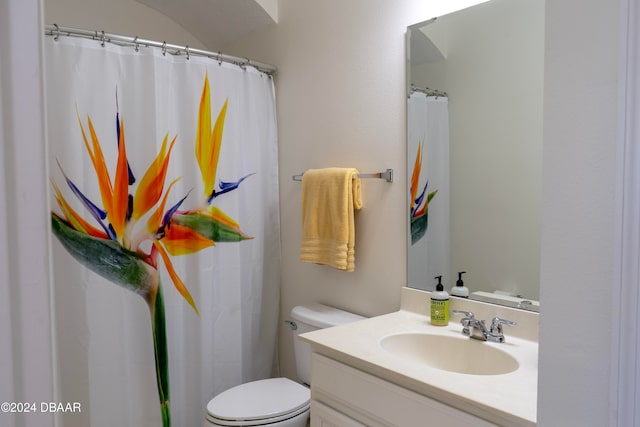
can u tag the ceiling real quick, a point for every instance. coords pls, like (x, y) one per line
(216, 23)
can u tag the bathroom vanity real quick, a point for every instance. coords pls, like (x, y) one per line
(398, 369)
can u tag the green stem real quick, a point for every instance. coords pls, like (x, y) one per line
(161, 355)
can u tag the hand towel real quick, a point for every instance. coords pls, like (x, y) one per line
(329, 198)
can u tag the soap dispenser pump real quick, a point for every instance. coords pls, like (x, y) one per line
(439, 305)
(460, 290)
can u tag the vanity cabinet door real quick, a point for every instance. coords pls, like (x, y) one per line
(359, 397)
(324, 416)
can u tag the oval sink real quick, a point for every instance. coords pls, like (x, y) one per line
(448, 353)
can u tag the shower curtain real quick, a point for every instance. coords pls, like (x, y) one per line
(428, 177)
(164, 184)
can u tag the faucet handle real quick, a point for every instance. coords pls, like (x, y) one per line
(496, 325)
(466, 322)
(466, 314)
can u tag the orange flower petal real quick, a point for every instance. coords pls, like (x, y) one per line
(216, 143)
(177, 282)
(120, 202)
(180, 240)
(204, 123)
(152, 184)
(97, 158)
(415, 177)
(208, 141)
(155, 219)
(422, 210)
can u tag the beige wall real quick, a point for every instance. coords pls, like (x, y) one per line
(340, 102)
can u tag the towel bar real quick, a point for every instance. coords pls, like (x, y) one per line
(386, 175)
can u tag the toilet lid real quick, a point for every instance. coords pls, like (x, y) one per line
(259, 400)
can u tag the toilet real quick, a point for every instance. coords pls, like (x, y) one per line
(277, 402)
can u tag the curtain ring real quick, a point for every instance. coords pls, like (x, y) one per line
(186, 49)
(135, 42)
(102, 38)
(57, 33)
(164, 48)
(219, 58)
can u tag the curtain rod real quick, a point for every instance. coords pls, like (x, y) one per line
(427, 91)
(56, 31)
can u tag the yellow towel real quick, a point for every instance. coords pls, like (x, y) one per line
(329, 198)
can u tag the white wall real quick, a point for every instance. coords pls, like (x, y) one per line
(26, 349)
(579, 186)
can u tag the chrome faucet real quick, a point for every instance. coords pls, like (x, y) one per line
(474, 328)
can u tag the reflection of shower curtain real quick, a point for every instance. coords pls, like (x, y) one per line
(428, 128)
(103, 331)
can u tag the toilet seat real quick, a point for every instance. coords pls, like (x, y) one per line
(259, 402)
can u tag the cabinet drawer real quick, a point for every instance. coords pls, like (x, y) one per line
(325, 416)
(378, 402)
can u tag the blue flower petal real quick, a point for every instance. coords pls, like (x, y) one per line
(418, 200)
(96, 212)
(167, 216)
(225, 187)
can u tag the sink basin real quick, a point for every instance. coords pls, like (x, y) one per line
(449, 353)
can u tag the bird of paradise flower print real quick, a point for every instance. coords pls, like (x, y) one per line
(419, 205)
(132, 233)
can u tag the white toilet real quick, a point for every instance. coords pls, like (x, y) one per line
(277, 402)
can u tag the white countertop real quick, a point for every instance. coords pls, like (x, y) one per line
(507, 399)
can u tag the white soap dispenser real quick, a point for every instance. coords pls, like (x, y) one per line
(439, 305)
(460, 290)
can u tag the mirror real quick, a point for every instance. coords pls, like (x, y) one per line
(474, 150)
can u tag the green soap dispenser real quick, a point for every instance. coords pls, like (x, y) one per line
(460, 290)
(439, 305)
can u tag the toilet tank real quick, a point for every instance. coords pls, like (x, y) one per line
(309, 318)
